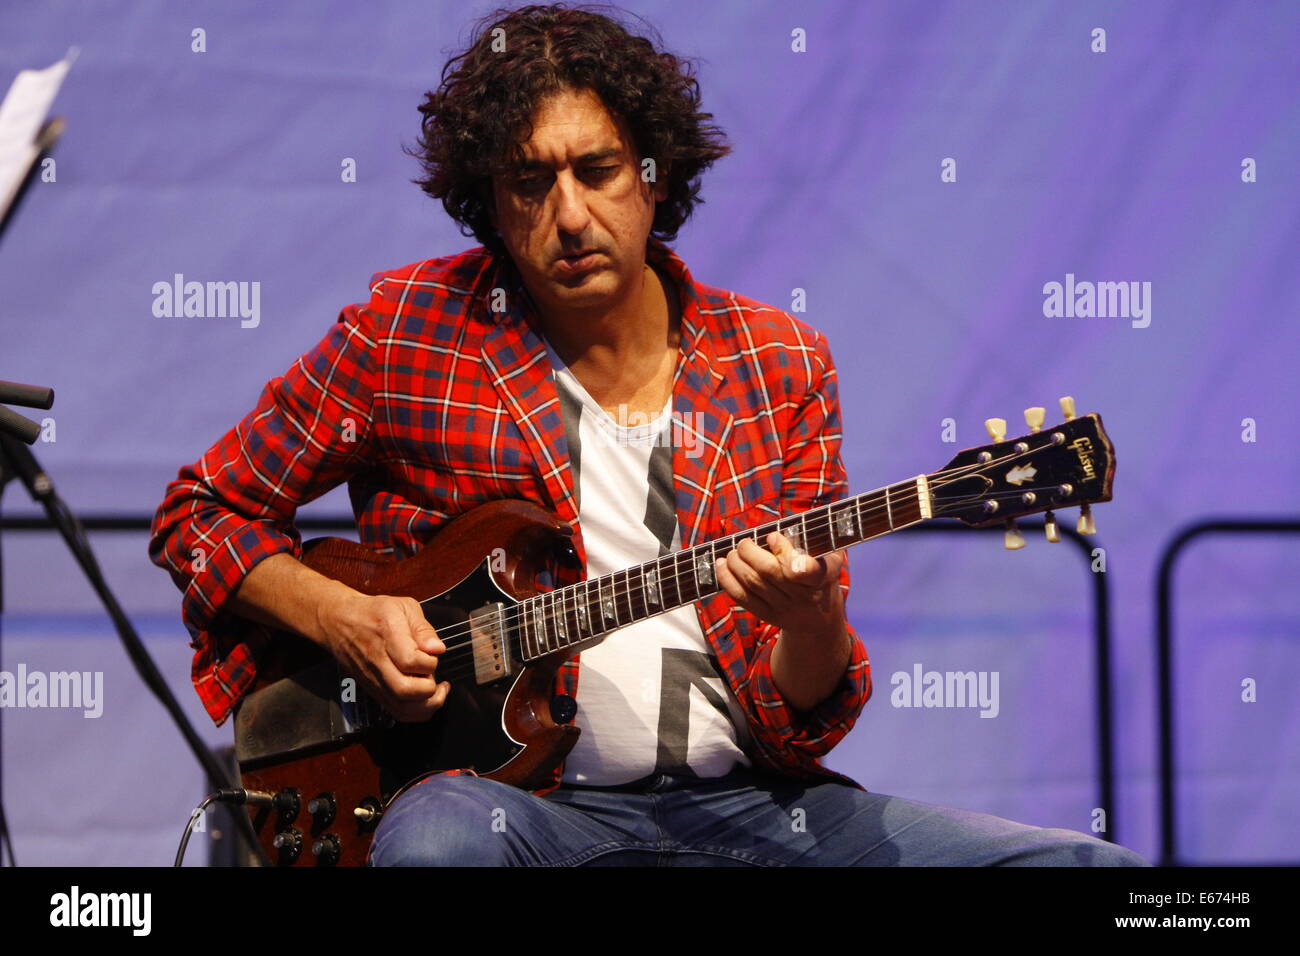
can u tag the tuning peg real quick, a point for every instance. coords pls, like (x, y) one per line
(1067, 407)
(997, 428)
(1012, 539)
(1086, 524)
(1050, 529)
(1034, 418)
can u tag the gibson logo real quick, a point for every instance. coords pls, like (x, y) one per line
(1083, 448)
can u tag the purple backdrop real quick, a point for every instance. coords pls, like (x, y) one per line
(1117, 165)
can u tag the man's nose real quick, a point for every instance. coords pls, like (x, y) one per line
(571, 215)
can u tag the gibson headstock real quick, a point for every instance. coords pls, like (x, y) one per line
(1072, 463)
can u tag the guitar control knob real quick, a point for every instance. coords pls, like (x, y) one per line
(997, 428)
(563, 708)
(289, 843)
(1012, 539)
(327, 850)
(323, 809)
(288, 802)
(1050, 529)
(1034, 418)
(1067, 407)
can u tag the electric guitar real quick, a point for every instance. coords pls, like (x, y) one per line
(504, 589)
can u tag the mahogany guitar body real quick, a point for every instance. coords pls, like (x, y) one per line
(299, 732)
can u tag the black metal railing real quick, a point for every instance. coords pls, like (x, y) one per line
(1165, 663)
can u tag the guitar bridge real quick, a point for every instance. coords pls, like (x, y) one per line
(488, 642)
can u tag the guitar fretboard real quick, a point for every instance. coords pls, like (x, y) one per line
(568, 616)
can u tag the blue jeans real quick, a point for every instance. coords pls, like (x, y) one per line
(743, 819)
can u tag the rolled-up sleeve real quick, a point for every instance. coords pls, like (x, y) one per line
(311, 430)
(813, 476)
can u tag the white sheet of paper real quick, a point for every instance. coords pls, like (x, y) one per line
(21, 116)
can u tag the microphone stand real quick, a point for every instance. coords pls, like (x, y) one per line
(16, 460)
(12, 424)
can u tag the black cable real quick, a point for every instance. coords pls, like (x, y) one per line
(6, 842)
(189, 827)
(234, 796)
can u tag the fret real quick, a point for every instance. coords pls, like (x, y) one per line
(790, 528)
(846, 523)
(889, 509)
(548, 620)
(672, 584)
(683, 578)
(625, 598)
(568, 618)
(525, 641)
(593, 608)
(598, 611)
(820, 539)
(875, 522)
(636, 597)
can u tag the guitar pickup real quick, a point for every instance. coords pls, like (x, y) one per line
(488, 642)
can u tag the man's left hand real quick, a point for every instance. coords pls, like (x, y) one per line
(798, 593)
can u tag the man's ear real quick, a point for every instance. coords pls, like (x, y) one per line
(660, 191)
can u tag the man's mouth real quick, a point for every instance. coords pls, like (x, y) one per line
(578, 261)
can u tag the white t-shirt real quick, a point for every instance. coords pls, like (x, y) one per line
(651, 698)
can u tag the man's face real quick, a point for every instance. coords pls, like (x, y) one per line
(575, 216)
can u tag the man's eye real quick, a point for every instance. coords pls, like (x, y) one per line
(601, 172)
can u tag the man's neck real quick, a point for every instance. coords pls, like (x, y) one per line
(645, 322)
(626, 356)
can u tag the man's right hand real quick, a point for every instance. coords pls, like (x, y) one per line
(384, 642)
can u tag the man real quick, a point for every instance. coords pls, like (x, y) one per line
(574, 361)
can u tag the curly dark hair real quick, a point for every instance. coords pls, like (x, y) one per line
(477, 119)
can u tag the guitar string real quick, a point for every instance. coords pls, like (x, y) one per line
(821, 523)
(453, 664)
(460, 637)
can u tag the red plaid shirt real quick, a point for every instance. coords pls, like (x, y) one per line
(429, 402)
